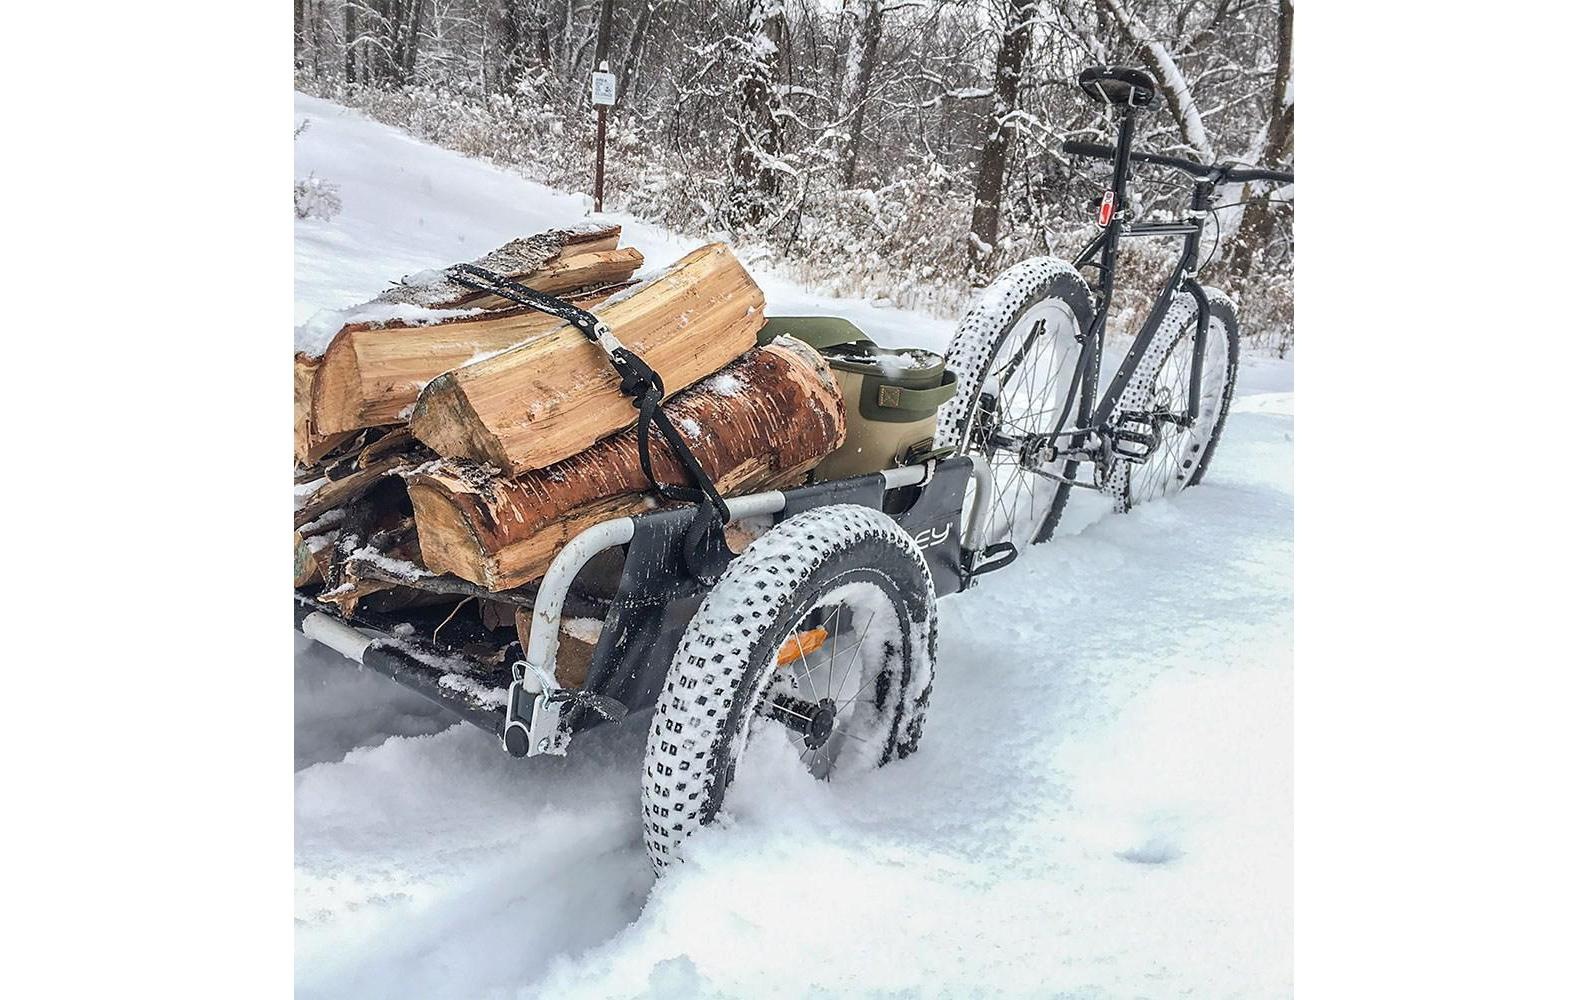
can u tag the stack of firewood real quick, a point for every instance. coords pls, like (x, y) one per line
(448, 442)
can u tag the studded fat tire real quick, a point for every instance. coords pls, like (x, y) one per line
(1181, 322)
(723, 662)
(982, 331)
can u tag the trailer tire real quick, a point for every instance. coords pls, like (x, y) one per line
(725, 683)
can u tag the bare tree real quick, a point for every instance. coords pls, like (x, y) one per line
(760, 127)
(862, 66)
(1257, 221)
(350, 39)
(898, 147)
(988, 192)
(1177, 93)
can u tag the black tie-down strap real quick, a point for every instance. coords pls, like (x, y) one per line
(706, 552)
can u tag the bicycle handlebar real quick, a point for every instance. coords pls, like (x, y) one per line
(1215, 172)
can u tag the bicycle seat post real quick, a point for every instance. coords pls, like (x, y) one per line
(1127, 134)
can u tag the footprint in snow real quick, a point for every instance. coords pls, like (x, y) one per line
(1152, 851)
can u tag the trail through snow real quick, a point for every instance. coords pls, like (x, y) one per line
(1101, 805)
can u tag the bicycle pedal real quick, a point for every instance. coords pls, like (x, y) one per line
(1135, 437)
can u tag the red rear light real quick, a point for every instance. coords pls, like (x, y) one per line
(1105, 210)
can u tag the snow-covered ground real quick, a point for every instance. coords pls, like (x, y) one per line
(1101, 805)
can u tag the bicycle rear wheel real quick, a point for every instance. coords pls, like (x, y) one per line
(1017, 355)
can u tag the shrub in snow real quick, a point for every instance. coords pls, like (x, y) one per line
(313, 198)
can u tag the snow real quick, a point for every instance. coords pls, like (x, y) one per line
(725, 384)
(899, 365)
(586, 630)
(476, 691)
(314, 336)
(1100, 805)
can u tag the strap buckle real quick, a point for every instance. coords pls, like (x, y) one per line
(706, 553)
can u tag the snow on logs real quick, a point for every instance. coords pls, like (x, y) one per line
(372, 373)
(763, 422)
(449, 442)
(554, 394)
(364, 366)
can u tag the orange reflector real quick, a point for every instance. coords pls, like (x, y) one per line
(799, 644)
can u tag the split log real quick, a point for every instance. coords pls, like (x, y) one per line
(518, 259)
(306, 568)
(566, 274)
(762, 422)
(392, 441)
(371, 374)
(343, 491)
(307, 446)
(552, 396)
(576, 645)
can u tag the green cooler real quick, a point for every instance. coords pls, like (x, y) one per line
(891, 396)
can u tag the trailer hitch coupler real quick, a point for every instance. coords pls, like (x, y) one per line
(515, 739)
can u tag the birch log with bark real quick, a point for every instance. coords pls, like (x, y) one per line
(764, 421)
(551, 396)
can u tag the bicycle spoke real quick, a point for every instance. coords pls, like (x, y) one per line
(806, 663)
(856, 647)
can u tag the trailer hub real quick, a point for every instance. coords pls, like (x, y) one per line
(820, 727)
(812, 721)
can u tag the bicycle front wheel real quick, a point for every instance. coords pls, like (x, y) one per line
(1186, 440)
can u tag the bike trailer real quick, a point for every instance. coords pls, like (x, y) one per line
(630, 575)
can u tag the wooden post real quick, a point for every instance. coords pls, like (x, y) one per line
(603, 92)
(601, 154)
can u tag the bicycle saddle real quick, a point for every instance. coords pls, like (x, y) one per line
(1133, 88)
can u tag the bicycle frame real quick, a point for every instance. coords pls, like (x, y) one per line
(1092, 413)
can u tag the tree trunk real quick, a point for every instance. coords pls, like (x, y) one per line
(416, 16)
(995, 151)
(603, 39)
(1257, 221)
(549, 397)
(508, 49)
(769, 418)
(864, 64)
(642, 23)
(350, 39)
(755, 183)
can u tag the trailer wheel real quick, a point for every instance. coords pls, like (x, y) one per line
(822, 633)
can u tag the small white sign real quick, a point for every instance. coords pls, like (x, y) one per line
(603, 88)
